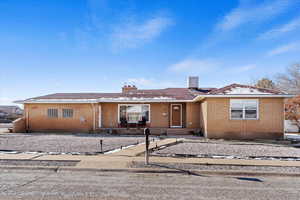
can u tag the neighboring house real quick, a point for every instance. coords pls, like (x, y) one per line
(235, 111)
(3, 114)
(290, 127)
(11, 110)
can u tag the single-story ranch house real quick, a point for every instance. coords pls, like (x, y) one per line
(235, 111)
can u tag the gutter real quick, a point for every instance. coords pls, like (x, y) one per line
(201, 97)
(198, 98)
(99, 101)
(57, 101)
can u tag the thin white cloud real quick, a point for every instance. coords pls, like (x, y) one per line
(194, 66)
(286, 28)
(139, 81)
(6, 101)
(246, 13)
(150, 83)
(131, 34)
(124, 29)
(246, 68)
(294, 46)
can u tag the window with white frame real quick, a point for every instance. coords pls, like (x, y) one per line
(243, 109)
(133, 113)
(52, 113)
(67, 113)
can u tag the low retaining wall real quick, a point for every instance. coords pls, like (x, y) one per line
(246, 136)
(154, 131)
(19, 125)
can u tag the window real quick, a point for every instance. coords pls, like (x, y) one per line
(236, 109)
(52, 113)
(243, 109)
(67, 113)
(133, 113)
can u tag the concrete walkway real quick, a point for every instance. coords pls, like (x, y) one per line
(140, 149)
(123, 159)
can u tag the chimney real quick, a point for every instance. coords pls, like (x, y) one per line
(193, 82)
(129, 88)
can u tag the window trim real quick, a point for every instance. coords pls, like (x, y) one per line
(244, 110)
(62, 113)
(119, 105)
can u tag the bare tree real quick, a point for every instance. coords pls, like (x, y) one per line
(289, 81)
(292, 108)
(265, 83)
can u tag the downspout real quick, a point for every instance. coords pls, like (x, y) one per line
(26, 118)
(94, 116)
(99, 116)
(284, 137)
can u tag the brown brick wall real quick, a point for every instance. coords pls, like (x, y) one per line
(37, 119)
(193, 112)
(109, 115)
(269, 125)
(212, 115)
(159, 115)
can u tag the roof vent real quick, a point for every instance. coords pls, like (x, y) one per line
(193, 82)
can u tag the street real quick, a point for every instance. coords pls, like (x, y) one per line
(43, 184)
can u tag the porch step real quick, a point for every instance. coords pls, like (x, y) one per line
(180, 131)
(124, 131)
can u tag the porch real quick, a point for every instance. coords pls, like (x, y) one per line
(179, 117)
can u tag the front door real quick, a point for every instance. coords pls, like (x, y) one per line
(176, 115)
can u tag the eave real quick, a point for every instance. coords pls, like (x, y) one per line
(77, 101)
(144, 100)
(201, 97)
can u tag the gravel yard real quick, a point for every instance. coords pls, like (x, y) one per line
(57, 143)
(226, 148)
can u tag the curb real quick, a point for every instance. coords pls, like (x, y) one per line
(157, 171)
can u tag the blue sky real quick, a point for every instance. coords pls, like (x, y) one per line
(54, 46)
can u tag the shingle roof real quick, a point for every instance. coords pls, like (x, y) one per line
(172, 93)
(161, 94)
(239, 88)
